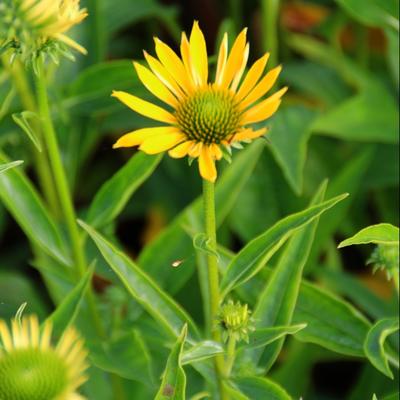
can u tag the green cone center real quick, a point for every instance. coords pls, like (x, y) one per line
(208, 116)
(32, 374)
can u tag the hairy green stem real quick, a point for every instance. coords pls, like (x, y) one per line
(230, 355)
(213, 278)
(61, 184)
(21, 84)
(269, 22)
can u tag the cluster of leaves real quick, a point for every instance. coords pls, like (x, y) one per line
(339, 122)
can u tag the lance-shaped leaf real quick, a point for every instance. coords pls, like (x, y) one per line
(256, 387)
(24, 204)
(22, 120)
(378, 234)
(116, 192)
(67, 310)
(173, 385)
(256, 253)
(202, 351)
(142, 288)
(374, 345)
(277, 301)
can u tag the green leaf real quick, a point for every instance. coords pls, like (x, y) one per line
(201, 242)
(378, 234)
(173, 385)
(126, 356)
(24, 204)
(374, 344)
(258, 251)
(22, 120)
(331, 322)
(142, 288)
(370, 116)
(174, 244)
(116, 192)
(201, 351)
(4, 167)
(264, 336)
(68, 309)
(289, 136)
(255, 387)
(376, 13)
(277, 301)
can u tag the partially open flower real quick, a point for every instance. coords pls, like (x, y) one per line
(205, 119)
(31, 25)
(32, 369)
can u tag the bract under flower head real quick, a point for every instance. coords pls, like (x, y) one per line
(203, 118)
(32, 369)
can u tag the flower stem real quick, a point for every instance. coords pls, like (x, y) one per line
(213, 277)
(61, 184)
(230, 355)
(270, 15)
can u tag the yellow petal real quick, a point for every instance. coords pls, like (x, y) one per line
(5, 336)
(46, 336)
(261, 88)
(155, 86)
(247, 134)
(238, 75)
(216, 151)
(195, 150)
(34, 330)
(207, 167)
(71, 43)
(173, 64)
(235, 59)
(137, 137)
(222, 56)
(252, 77)
(264, 109)
(144, 107)
(198, 54)
(181, 150)
(159, 143)
(186, 58)
(164, 76)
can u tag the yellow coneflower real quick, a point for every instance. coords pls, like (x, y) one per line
(204, 118)
(32, 369)
(47, 19)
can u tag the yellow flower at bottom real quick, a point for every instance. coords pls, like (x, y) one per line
(204, 119)
(32, 369)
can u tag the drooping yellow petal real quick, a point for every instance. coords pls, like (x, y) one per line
(144, 107)
(159, 143)
(252, 77)
(5, 336)
(207, 167)
(235, 59)
(216, 151)
(68, 41)
(264, 109)
(137, 137)
(195, 150)
(261, 88)
(181, 150)
(198, 55)
(248, 134)
(155, 86)
(238, 75)
(173, 64)
(222, 56)
(165, 77)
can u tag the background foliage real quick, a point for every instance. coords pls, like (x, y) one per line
(338, 122)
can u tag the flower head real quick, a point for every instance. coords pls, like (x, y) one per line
(33, 25)
(32, 369)
(236, 321)
(204, 119)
